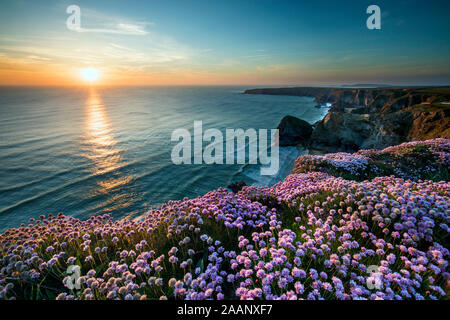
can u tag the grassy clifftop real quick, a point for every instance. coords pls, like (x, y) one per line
(426, 160)
(322, 233)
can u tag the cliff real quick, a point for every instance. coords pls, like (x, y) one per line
(312, 236)
(375, 117)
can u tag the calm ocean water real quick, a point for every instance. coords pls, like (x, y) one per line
(88, 151)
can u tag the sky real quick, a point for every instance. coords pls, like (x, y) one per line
(196, 42)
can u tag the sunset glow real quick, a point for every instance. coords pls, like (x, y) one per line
(126, 46)
(90, 74)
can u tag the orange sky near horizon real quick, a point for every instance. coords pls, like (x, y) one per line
(45, 75)
(221, 43)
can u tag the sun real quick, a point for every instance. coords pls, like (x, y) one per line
(89, 74)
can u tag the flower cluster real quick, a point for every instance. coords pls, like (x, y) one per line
(341, 229)
(352, 163)
(412, 160)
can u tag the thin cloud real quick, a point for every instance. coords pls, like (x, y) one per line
(39, 58)
(257, 56)
(122, 28)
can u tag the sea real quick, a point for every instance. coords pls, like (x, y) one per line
(87, 151)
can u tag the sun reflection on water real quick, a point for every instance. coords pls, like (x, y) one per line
(101, 148)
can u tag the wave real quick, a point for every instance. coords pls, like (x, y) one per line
(287, 156)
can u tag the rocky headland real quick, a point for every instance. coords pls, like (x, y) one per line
(370, 118)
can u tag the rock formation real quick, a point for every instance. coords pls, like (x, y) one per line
(237, 186)
(371, 118)
(294, 131)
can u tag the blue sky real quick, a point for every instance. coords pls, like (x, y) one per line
(227, 42)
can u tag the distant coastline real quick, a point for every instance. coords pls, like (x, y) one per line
(373, 118)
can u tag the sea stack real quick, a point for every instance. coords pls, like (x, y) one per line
(294, 131)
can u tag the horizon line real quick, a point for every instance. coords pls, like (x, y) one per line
(229, 85)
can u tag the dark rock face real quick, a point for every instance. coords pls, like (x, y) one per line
(349, 132)
(237, 186)
(294, 131)
(344, 132)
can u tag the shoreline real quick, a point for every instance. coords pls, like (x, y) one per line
(290, 154)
